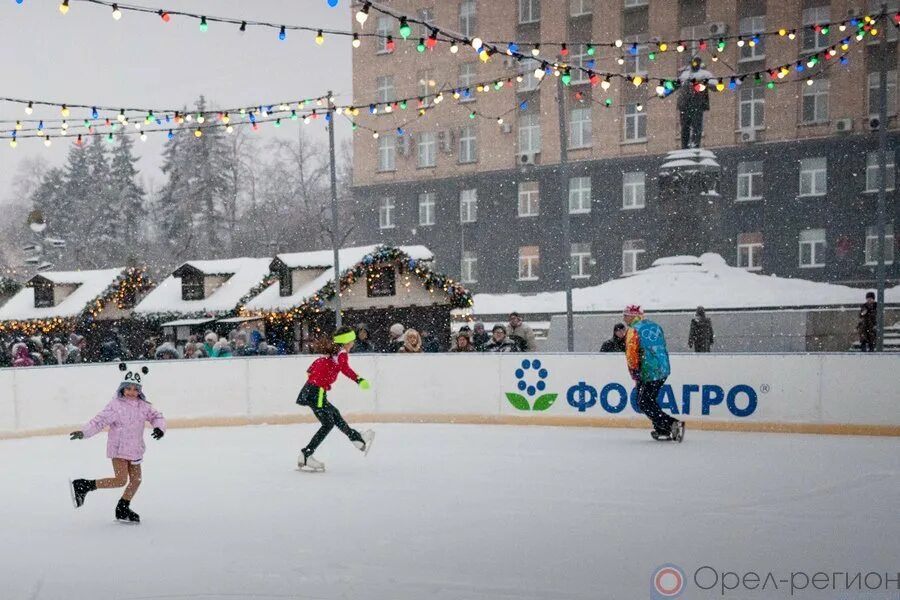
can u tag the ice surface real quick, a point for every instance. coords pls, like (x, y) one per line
(445, 512)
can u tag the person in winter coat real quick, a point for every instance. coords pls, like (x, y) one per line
(125, 416)
(222, 349)
(209, 345)
(518, 328)
(59, 353)
(397, 332)
(321, 375)
(701, 336)
(429, 342)
(363, 341)
(499, 341)
(480, 337)
(462, 343)
(76, 347)
(21, 355)
(166, 351)
(867, 328)
(648, 364)
(617, 342)
(412, 342)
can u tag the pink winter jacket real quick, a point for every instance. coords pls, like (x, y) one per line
(125, 419)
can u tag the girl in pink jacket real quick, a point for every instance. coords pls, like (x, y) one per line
(125, 416)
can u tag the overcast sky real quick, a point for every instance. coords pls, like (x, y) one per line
(86, 57)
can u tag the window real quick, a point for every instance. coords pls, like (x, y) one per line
(578, 8)
(529, 11)
(426, 208)
(631, 255)
(814, 41)
(386, 213)
(752, 105)
(636, 3)
(192, 287)
(813, 176)
(812, 248)
(636, 64)
(749, 181)
(527, 67)
(529, 199)
(579, 195)
(387, 153)
(468, 73)
(752, 50)
(468, 149)
(381, 282)
(633, 189)
(424, 84)
(468, 206)
(285, 283)
(815, 101)
(467, 18)
(872, 245)
(384, 28)
(872, 182)
(580, 134)
(581, 62)
(874, 97)
(529, 263)
(635, 123)
(384, 88)
(469, 267)
(427, 146)
(529, 133)
(749, 251)
(43, 293)
(426, 16)
(580, 260)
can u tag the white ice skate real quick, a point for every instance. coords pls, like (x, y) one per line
(368, 436)
(309, 465)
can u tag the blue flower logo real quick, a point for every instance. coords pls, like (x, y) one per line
(531, 379)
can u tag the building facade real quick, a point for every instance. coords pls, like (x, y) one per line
(799, 168)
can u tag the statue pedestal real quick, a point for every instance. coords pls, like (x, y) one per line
(689, 173)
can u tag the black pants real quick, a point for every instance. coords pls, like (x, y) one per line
(648, 391)
(867, 341)
(691, 128)
(327, 414)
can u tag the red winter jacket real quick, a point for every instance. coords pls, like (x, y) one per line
(324, 371)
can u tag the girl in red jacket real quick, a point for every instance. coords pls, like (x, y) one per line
(322, 373)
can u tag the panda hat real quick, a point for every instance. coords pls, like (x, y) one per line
(132, 378)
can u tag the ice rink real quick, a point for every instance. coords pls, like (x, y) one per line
(448, 512)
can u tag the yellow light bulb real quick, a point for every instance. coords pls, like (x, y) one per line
(198, 133)
(638, 80)
(64, 6)
(320, 38)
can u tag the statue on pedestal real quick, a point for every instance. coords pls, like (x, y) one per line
(693, 101)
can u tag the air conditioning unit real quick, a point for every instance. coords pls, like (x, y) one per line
(445, 139)
(748, 135)
(33, 260)
(717, 29)
(527, 158)
(506, 128)
(874, 123)
(843, 125)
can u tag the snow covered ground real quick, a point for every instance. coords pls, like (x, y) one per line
(447, 512)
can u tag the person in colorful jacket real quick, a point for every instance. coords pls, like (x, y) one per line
(648, 364)
(125, 416)
(322, 374)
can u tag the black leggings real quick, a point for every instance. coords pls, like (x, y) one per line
(327, 414)
(648, 392)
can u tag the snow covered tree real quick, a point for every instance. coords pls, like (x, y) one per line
(127, 198)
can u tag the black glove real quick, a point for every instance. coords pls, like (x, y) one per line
(76, 435)
(157, 433)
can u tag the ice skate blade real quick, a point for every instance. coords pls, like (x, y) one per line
(72, 494)
(371, 438)
(127, 522)
(310, 470)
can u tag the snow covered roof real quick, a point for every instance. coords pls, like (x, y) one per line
(245, 274)
(271, 298)
(90, 285)
(683, 283)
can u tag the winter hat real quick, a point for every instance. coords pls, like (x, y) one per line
(500, 327)
(397, 330)
(633, 310)
(211, 338)
(132, 378)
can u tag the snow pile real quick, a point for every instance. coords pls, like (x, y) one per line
(91, 284)
(692, 157)
(245, 274)
(271, 298)
(683, 283)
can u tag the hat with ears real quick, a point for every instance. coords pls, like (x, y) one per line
(132, 378)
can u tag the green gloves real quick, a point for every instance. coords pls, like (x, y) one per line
(363, 383)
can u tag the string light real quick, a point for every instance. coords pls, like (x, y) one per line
(116, 13)
(64, 6)
(243, 27)
(355, 42)
(320, 37)
(47, 141)
(203, 25)
(363, 14)
(405, 29)
(30, 108)
(282, 34)
(164, 16)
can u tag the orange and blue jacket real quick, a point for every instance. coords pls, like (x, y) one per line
(645, 351)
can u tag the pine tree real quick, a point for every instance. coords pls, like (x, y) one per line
(50, 198)
(66, 215)
(127, 198)
(210, 185)
(174, 209)
(101, 241)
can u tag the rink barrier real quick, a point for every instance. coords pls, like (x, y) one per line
(849, 394)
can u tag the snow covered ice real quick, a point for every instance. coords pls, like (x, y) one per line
(447, 512)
